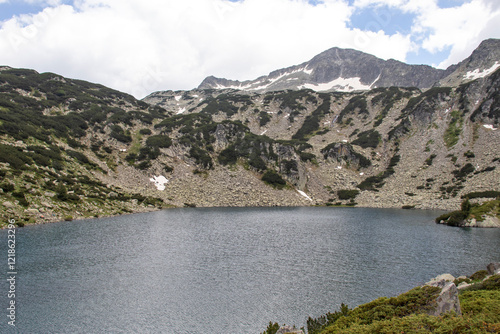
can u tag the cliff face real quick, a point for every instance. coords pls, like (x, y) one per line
(74, 148)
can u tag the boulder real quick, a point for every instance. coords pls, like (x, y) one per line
(444, 277)
(289, 329)
(493, 268)
(463, 285)
(8, 205)
(32, 211)
(448, 298)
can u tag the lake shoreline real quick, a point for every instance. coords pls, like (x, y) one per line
(76, 218)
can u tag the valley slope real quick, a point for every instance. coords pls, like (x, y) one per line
(73, 148)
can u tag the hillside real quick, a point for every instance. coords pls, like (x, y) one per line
(444, 305)
(73, 148)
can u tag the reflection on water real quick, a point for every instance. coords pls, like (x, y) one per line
(229, 270)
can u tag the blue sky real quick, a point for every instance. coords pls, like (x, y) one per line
(141, 46)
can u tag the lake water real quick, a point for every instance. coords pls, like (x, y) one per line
(226, 270)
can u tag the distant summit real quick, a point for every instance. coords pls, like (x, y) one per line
(347, 70)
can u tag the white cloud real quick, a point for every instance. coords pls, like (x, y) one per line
(461, 28)
(142, 46)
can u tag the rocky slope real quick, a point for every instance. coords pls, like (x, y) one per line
(72, 148)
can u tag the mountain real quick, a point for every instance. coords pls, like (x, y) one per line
(347, 70)
(482, 62)
(74, 148)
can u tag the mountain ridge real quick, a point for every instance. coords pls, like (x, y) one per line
(346, 70)
(74, 148)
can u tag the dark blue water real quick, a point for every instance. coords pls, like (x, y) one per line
(226, 270)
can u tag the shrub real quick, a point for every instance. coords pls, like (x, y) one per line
(7, 187)
(201, 157)
(481, 194)
(479, 275)
(305, 156)
(146, 132)
(271, 328)
(274, 179)
(469, 154)
(228, 156)
(430, 159)
(119, 134)
(370, 138)
(347, 194)
(162, 141)
(464, 171)
(264, 118)
(256, 162)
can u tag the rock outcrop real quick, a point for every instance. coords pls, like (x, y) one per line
(448, 298)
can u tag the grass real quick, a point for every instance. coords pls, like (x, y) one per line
(408, 313)
(487, 208)
(452, 133)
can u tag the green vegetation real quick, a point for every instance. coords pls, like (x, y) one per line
(271, 328)
(387, 98)
(162, 141)
(430, 159)
(452, 133)
(408, 313)
(274, 179)
(311, 123)
(481, 194)
(377, 181)
(357, 103)
(264, 118)
(345, 194)
(471, 211)
(370, 138)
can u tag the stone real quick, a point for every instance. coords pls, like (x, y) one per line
(493, 268)
(448, 298)
(112, 195)
(289, 329)
(32, 211)
(463, 285)
(8, 204)
(439, 279)
(46, 205)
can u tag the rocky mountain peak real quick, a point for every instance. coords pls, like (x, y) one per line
(483, 61)
(348, 70)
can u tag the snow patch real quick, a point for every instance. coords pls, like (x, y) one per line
(488, 126)
(263, 132)
(178, 98)
(339, 84)
(306, 71)
(304, 194)
(181, 110)
(477, 73)
(159, 182)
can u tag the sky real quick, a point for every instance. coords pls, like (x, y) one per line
(142, 46)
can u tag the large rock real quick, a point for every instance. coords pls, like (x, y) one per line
(493, 268)
(441, 279)
(448, 298)
(289, 329)
(8, 205)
